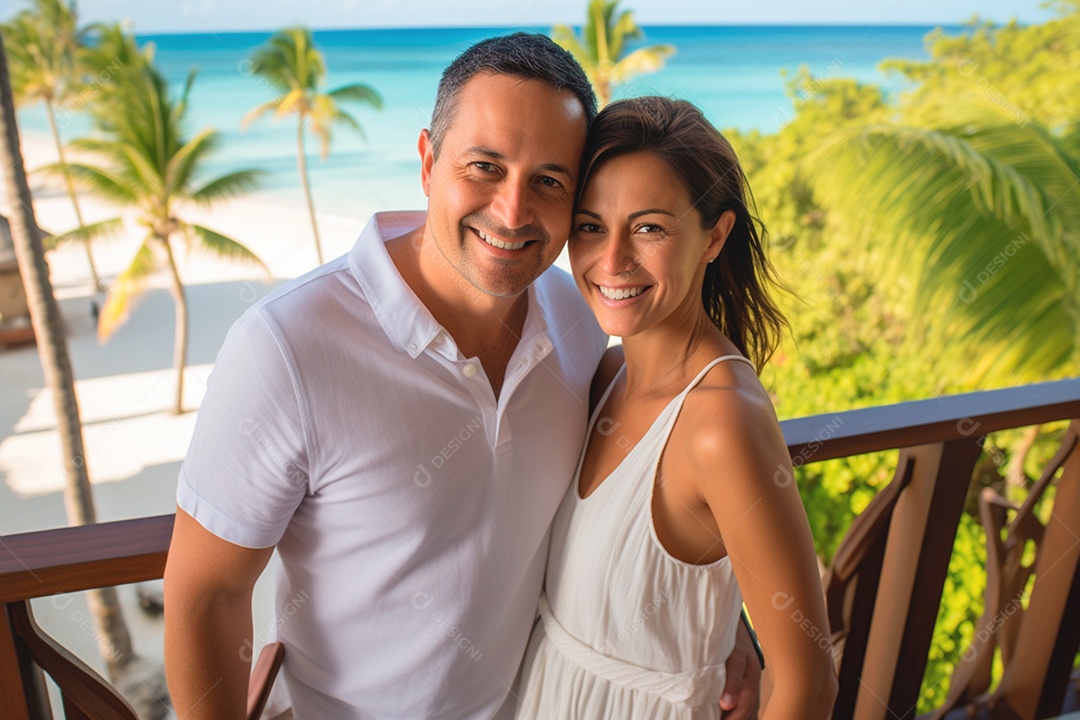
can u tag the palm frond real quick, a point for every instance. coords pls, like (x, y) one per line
(126, 289)
(976, 233)
(358, 92)
(87, 233)
(100, 181)
(641, 62)
(256, 112)
(565, 38)
(223, 246)
(293, 102)
(226, 187)
(623, 29)
(183, 163)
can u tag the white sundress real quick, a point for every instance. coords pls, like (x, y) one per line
(628, 631)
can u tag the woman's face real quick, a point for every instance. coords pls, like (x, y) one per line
(637, 247)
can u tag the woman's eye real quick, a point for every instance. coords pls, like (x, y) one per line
(650, 229)
(588, 228)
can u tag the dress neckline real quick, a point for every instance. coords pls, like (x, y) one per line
(576, 484)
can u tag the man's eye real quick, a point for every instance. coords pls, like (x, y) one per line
(550, 182)
(484, 167)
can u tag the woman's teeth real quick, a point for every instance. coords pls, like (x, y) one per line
(621, 293)
(499, 243)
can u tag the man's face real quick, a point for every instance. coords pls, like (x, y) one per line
(501, 193)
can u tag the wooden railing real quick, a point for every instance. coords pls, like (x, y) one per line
(884, 589)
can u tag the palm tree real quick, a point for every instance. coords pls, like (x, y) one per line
(114, 640)
(148, 164)
(44, 49)
(600, 48)
(291, 64)
(984, 213)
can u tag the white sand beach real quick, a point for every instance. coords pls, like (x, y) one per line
(125, 386)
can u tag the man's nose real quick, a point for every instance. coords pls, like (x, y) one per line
(510, 206)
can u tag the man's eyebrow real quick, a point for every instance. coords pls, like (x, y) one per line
(496, 155)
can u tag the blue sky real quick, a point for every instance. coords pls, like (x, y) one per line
(195, 15)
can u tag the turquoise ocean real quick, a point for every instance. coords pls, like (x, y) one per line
(735, 74)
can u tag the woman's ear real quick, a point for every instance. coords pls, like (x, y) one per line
(719, 235)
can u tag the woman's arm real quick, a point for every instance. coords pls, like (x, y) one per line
(742, 471)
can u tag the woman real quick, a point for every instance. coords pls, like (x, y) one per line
(675, 516)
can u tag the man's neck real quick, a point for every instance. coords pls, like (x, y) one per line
(482, 325)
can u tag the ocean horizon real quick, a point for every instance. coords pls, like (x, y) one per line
(735, 74)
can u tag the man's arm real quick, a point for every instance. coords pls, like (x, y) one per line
(208, 586)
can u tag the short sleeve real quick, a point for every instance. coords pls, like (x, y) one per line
(246, 470)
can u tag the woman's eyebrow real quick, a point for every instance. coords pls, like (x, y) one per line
(650, 211)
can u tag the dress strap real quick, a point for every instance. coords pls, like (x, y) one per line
(713, 363)
(666, 421)
(693, 688)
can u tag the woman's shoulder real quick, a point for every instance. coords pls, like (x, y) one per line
(729, 418)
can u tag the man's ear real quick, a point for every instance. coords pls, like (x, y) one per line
(427, 160)
(719, 235)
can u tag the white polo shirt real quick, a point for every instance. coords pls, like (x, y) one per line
(410, 508)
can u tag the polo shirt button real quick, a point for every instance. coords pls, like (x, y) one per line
(412, 347)
(469, 370)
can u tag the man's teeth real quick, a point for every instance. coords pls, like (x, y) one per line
(621, 293)
(499, 243)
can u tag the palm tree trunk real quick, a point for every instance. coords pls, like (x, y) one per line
(180, 336)
(71, 191)
(301, 161)
(114, 641)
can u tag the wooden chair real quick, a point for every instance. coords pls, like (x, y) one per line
(85, 694)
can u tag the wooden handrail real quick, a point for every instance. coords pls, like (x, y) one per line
(917, 422)
(70, 559)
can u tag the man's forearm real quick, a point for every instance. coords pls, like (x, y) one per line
(208, 656)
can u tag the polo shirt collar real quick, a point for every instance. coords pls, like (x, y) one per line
(406, 321)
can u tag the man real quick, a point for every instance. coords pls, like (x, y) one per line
(401, 424)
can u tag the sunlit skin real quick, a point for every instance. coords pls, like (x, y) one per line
(636, 230)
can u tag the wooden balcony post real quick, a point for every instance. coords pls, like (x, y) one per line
(17, 673)
(916, 561)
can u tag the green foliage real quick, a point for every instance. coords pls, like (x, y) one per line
(878, 212)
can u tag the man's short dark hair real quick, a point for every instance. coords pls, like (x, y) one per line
(525, 55)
